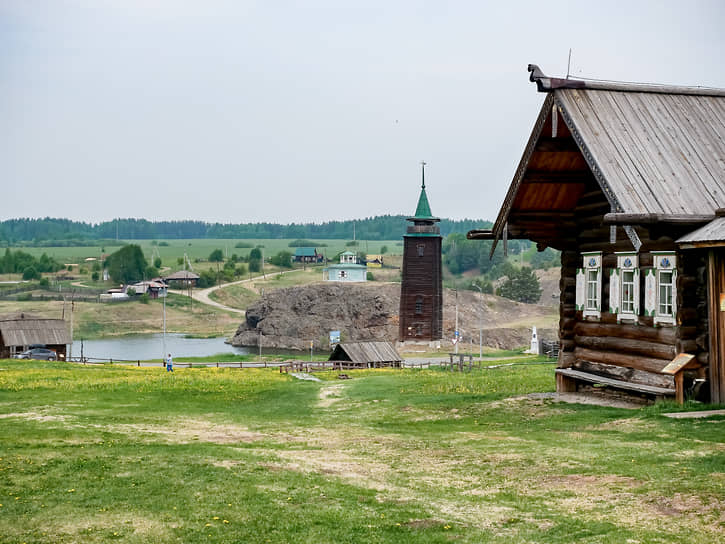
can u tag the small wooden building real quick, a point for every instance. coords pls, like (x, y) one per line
(421, 289)
(307, 255)
(366, 355)
(182, 277)
(348, 270)
(628, 182)
(20, 331)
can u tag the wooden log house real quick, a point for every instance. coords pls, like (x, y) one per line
(628, 182)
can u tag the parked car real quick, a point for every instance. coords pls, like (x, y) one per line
(43, 354)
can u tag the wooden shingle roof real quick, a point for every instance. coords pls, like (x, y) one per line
(366, 352)
(656, 151)
(22, 329)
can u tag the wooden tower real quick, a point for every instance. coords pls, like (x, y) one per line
(421, 291)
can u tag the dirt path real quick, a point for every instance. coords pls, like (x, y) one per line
(203, 294)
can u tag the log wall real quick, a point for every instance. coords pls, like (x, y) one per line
(625, 351)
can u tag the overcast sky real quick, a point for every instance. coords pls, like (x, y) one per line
(245, 111)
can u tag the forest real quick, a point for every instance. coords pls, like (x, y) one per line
(65, 232)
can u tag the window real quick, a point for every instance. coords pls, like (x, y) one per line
(421, 249)
(343, 273)
(661, 288)
(628, 291)
(592, 290)
(624, 287)
(419, 305)
(664, 300)
(589, 285)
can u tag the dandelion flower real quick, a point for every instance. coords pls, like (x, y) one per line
(226, 521)
(215, 517)
(446, 527)
(207, 525)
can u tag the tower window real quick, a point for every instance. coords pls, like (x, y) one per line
(419, 305)
(421, 250)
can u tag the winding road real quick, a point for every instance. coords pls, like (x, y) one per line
(203, 294)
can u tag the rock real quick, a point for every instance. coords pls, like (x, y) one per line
(292, 317)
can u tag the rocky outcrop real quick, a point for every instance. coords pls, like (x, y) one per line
(290, 318)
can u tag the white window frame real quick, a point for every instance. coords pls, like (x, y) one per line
(627, 263)
(591, 307)
(665, 262)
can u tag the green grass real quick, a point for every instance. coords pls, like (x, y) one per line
(125, 454)
(201, 248)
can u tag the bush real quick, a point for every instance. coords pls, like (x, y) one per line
(370, 276)
(243, 245)
(157, 262)
(30, 273)
(145, 298)
(352, 243)
(282, 259)
(95, 276)
(163, 244)
(44, 283)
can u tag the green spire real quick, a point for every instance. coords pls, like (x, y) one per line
(423, 209)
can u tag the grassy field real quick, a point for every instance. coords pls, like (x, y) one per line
(105, 454)
(200, 248)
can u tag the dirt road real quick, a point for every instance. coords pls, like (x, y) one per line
(203, 294)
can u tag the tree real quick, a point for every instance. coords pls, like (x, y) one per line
(127, 265)
(283, 259)
(383, 250)
(216, 256)
(157, 262)
(31, 274)
(522, 286)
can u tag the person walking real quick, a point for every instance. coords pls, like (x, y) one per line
(169, 364)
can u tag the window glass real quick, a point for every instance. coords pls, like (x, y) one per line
(628, 291)
(592, 290)
(665, 292)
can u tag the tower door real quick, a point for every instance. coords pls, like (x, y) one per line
(716, 294)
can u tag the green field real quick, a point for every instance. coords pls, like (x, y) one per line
(124, 454)
(200, 248)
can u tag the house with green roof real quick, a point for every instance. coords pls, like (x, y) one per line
(307, 255)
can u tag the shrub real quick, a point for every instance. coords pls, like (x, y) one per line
(371, 277)
(30, 273)
(144, 298)
(44, 283)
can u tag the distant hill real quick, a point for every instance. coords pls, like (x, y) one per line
(54, 231)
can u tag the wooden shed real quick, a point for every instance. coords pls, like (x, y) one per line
(366, 355)
(627, 181)
(20, 331)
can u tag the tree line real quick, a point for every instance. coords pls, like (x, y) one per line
(61, 232)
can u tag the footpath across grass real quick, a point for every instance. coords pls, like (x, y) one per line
(126, 454)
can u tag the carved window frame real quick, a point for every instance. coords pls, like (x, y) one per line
(624, 295)
(589, 285)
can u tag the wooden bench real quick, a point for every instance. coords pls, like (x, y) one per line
(566, 379)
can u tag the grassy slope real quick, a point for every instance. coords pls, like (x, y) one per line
(205, 455)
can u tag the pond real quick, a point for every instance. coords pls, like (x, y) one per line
(151, 346)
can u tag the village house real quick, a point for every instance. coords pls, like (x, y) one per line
(307, 255)
(21, 331)
(347, 270)
(184, 278)
(628, 182)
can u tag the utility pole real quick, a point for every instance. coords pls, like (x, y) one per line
(457, 335)
(480, 324)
